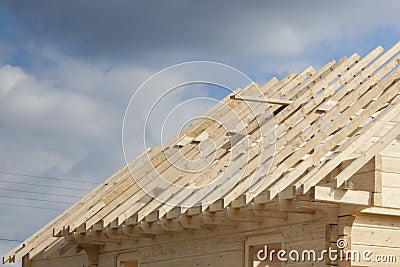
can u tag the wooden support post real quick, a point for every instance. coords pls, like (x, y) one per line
(65, 247)
(345, 223)
(216, 218)
(153, 228)
(192, 222)
(172, 225)
(92, 252)
(331, 238)
(237, 214)
(136, 232)
(25, 261)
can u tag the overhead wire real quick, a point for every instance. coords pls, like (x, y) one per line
(39, 193)
(29, 206)
(36, 199)
(42, 185)
(47, 177)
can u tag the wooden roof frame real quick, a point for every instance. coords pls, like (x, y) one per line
(322, 118)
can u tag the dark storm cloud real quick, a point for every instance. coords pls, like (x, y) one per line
(144, 31)
(129, 28)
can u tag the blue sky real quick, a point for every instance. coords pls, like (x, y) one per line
(69, 68)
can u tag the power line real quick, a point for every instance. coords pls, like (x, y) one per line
(46, 177)
(10, 240)
(39, 193)
(28, 206)
(36, 199)
(48, 186)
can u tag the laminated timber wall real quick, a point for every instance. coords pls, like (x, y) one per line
(222, 246)
(378, 229)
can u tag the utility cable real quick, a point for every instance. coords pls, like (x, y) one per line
(39, 193)
(48, 186)
(47, 177)
(28, 206)
(36, 199)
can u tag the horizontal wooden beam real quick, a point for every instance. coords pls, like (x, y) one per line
(329, 194)
(237, 214)
(173, 213)
(275, 101)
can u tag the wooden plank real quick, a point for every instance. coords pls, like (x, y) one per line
(382, 211)
(391, 179)
(391, 197)
(391, 165)
(376, 236)
(325, 193)
(262, 100)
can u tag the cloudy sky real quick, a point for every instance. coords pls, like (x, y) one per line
(68, 70)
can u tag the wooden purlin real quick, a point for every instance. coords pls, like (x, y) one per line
(343, 83)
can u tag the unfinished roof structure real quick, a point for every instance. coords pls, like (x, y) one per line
(333, 126)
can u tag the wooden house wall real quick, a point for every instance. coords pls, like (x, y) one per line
(220, 246)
